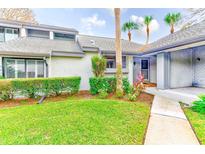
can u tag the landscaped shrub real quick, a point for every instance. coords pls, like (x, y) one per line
(199, 105)
(98, 65)
(35, 87)
(6, 91)
(102, 94)
(108, 83)
(1, 77)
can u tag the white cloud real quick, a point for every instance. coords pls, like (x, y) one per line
(89, 22)
(111, 11)
(154, 25)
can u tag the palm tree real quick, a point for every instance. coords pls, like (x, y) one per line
(171, 19)
(119, 89)
(147, 21)
(129, 26)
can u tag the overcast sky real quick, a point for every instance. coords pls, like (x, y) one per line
(100, 22)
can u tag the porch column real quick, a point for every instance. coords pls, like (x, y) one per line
(130, 69)
(163, 70)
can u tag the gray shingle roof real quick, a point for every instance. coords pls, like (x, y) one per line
(107, 44)
(188, 35)
(39, 46)
(27, 24)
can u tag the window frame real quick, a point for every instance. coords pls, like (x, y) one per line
(148, 68)
(35, 36)
(63, 38)
(4, 69)
(114, 59)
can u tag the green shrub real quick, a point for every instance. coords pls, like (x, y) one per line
(108, 83)
(132, 97)
(134, 92)
(6, 91)
(199, 105)
(1, 77)
(98, 65)
(102, 94)
(35, 87)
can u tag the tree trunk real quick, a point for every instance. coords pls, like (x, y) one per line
(147, 34)
(119, 89)
(129, 35)
(172, 29)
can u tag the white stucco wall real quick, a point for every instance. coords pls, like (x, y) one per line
(67, 66)
(137, 68)
(199, 66)
(153, 69)
(181, 69)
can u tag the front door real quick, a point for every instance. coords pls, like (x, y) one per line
(145, 68)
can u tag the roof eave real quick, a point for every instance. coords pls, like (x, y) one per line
(182, 43)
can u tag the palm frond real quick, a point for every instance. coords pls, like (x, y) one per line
(147, 20)
(129, 26)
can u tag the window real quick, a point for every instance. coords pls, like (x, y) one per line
(38, 33)
(22, 68)
(145, 68)
(111, 61)
(7, 34)
(31, 69)
(40, 68)
(10, 68)
(62, 36)
(10, 33)
(2, 36)
(144, 64)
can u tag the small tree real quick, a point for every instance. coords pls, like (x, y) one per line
(98, 65)
(128, 27)
(171, 19)
(147, 22)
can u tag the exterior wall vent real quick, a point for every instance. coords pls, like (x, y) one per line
(92, 42)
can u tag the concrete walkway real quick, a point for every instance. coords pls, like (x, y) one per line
(186, 95)
(168, 124)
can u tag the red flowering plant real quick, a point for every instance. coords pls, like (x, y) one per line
(139, 85)
(137, 88)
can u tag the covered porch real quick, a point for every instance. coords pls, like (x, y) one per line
(181, 68)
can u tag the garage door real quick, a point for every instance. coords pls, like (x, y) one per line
(199, 67)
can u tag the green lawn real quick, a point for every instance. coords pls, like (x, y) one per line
(91, 121)
(198, 123)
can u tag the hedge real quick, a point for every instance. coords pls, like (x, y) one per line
(107, 83)
(34, 87)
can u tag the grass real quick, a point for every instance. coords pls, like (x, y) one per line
(197, 121)
(72, 121)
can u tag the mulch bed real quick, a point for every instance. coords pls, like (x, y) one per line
(144, 97)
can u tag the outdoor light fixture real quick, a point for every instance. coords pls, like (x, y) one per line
(198, 58)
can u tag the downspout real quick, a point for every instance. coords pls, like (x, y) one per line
(50, 64)
(46, 70)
